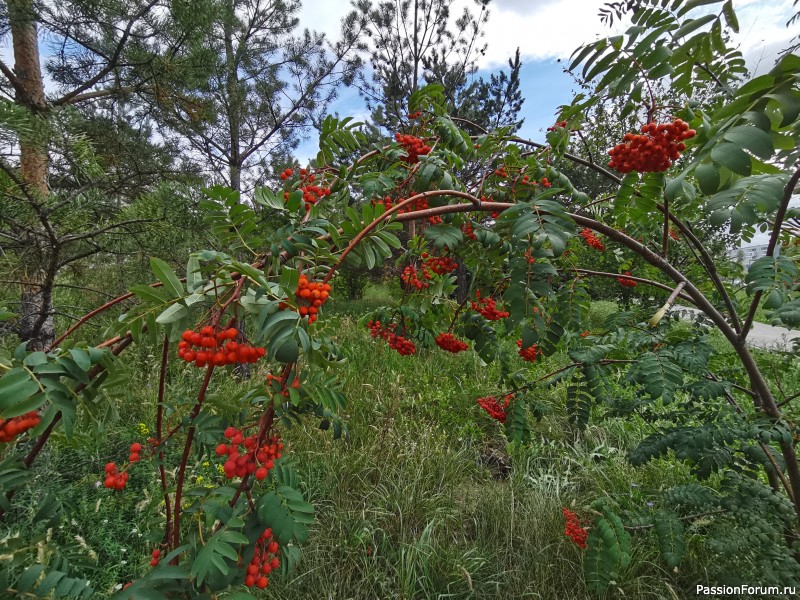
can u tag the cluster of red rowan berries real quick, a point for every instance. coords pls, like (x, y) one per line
(544, 182)
(592, 240)
(402, 345)
(497, 409)
(155, 557)
(624, 281)
(414, 115)
(387, 202)
(256, 461)
(487, 307)
(418, 279)
(501, 172)
(135, 455)
(413, 146)
(559, 124)
(573, 529)
(449, 343)
(311, 193)
(421, 204)
(11, 428)
(418, 204)
(314, 294)
(531, 353)
(285, 393)
(440, 265)
(654, 150)
(265, 560)
(468, 231)
(217, 348)
(528, 257)
(114, 479)
(410, 277)
(673, 233)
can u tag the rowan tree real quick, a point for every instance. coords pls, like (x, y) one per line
(718, 411)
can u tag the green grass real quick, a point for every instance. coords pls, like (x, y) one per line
(424, 500)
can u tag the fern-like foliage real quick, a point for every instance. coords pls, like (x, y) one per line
(670, 534)
(609, 550)
(518, 429)
(579, 400)
(37, 581)
(659, 374)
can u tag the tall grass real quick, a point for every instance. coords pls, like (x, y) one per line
(424, 500)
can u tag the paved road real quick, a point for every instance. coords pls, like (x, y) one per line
(762, 335)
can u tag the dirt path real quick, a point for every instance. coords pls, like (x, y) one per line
(762, 335)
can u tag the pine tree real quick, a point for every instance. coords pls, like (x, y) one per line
(495, 103)
(265, 85)
(61, 201)
(413, 42)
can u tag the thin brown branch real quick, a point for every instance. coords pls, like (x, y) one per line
(686, 518)
(773, 242)
(12, 78)
(187, 448)
(162, 381)
(641, 280)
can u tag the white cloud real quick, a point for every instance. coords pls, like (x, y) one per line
(542, 29)
(547, 29)
(763, 32)
(324, 16)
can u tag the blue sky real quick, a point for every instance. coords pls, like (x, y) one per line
(543, 84)
(546, 30)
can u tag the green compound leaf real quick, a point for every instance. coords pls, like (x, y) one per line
(669, 531)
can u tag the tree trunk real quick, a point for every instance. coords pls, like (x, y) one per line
(36, 319)
(29, 89)
(462, 282)
(235, 102)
